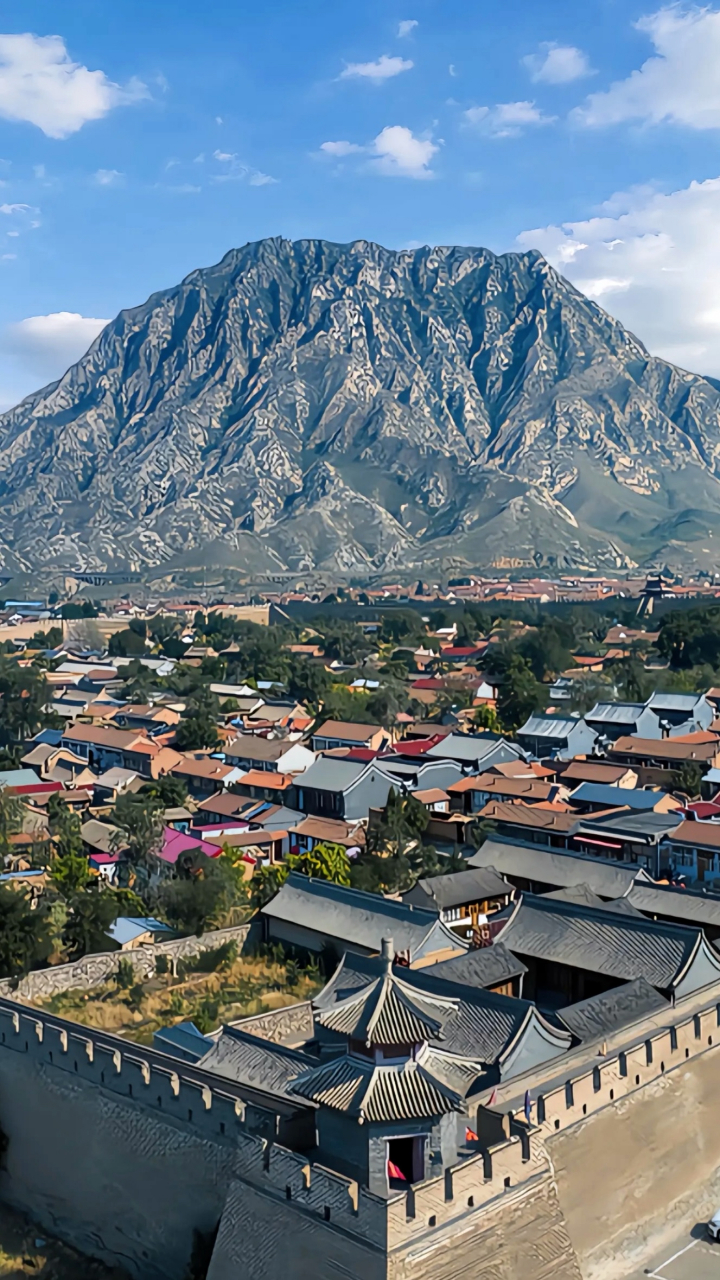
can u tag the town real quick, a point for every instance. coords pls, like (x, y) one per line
(405, 900)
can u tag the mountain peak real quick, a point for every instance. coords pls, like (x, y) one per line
(355, 408)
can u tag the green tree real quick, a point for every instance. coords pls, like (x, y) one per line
(127, 644)
(486, 717)
(12, 814)
(171, 792)
(139, 822)
(91, 911)
(23, 694)
(326, 861)
(520, 694)
(205, 893)
(198, 728)
(689, 778)
(23, 933)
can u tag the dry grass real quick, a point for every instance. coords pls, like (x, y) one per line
(248, 986)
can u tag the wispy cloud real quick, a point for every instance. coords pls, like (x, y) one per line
(506, 119)
(235, 171)
(406, 27)
(108, 178)
(557, 64)
(41, 85)
(384, 68)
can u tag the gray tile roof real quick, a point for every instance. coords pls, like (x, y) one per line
(253, 1062)
(616, 712)
(468, 747)
(356, 918)
(331, 774)
(485, 967)
(694, 908)
(650, 825)
(442, 892)
(549, 866)
(609, 1012)
(481, 1030)
(549, 726)
(405, 1091)
(599, 941)
(388, 1011)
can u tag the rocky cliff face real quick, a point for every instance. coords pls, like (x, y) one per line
(348, 408)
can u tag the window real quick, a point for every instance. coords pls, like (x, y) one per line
(569, 1094)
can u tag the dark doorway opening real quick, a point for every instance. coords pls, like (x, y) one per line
(405, 1160)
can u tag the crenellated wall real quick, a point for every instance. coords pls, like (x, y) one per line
(124, 1151)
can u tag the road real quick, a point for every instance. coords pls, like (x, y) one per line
(693, 1257)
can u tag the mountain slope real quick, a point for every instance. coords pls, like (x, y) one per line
(353, 409)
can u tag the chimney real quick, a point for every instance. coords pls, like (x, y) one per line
(387, 952)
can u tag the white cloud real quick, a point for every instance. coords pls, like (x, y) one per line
(340, 148)
(10, 209)
(557, 64)
(43, 347)
(383, 69)
(451, 70)
(405, 27)
(680, 84)
(235, 171)
(400, 154)
(395, 152)
(108, 178)
(654, 261)
(41, 85)
(507, 119)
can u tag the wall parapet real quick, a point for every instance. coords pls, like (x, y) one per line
(612, 1076)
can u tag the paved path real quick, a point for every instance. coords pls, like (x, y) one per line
(693, 1257)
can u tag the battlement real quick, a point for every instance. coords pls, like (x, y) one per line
(612, 1076)
(246, 1128)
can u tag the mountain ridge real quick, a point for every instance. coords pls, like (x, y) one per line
(306, 406)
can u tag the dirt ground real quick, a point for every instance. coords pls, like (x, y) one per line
(250, 985)
(27, 1251)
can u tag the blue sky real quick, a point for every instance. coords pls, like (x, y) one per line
(139, 141)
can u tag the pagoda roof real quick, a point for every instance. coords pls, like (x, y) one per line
(387, 1010)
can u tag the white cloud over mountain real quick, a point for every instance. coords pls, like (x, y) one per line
(45, 346)
(652, 260)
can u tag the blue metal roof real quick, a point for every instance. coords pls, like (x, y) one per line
(614, 797)
(126, 928)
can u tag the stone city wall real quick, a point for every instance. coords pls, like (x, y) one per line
(625, 1149)
(93, 970)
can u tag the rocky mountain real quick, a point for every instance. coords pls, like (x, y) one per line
(350, 409)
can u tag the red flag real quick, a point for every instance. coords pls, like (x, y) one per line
(470, 1136)
(492, 1099)
(394, 1172)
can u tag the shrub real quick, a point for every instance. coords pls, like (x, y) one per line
(222, 957)
(162, 964)
(125, 974)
